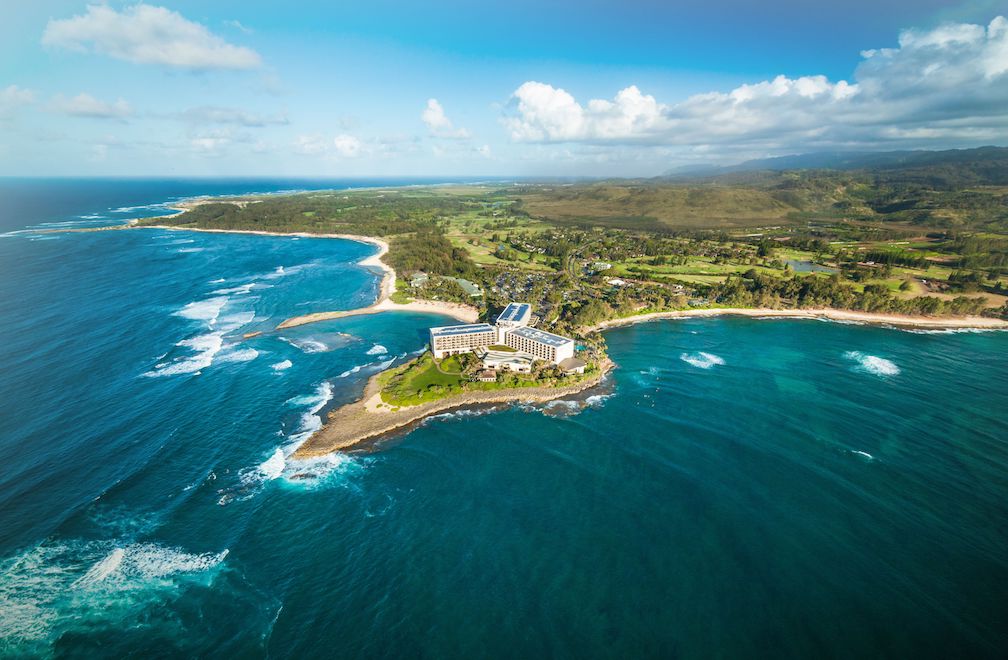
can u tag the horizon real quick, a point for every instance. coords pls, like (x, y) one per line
(176, 89)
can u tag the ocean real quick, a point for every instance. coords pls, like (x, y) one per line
(739, 487)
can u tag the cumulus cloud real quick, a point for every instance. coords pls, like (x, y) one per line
(949, 83)
(343, 145)
(13, 97)
(209, 114)
(85, 105)
(438, 123)
(347, 145)
(148, 35)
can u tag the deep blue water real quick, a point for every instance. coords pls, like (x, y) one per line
(744, 487)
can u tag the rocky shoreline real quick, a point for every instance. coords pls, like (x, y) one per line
(357, 422)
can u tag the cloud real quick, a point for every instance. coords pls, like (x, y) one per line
(13, 97)
(209, 114)
(945, 84)
(438, 123)
(343, 145)
(347, 145)
(85, 105)
(146, 34)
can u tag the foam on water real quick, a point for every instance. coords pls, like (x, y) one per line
(597, 400)
(872, 364)
(205, 347)
(377, 349)
(953, 331)
(235, 290)
(351, 371)
(241, 355)
(702, 360)
(54, 587)
(280, 366)
(204, 310)
(307, 345)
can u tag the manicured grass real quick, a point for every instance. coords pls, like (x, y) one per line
(418, 381)
(503, 348)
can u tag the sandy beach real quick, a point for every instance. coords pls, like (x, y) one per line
(840, 315)
(384, 303)
(370, 417)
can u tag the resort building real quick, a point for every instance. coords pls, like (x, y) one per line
(543, 345)
(455, 339)
(511, 330)
(508, 360)
(515, 315)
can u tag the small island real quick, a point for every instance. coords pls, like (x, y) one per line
(466, 365)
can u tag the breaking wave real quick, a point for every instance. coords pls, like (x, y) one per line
(872, 364)
(702, 360)
(55, 586)
(307, 345)
(204, 310)
(241, 355)
(280, 366)
(377, 349)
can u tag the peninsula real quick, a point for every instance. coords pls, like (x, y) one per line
(591, 256)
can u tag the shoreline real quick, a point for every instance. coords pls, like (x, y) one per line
(383, 303)
(362, 420)
(820, 314)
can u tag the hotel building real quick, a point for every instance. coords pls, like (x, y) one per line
(511, 330)
(455, 339)
(543, 345)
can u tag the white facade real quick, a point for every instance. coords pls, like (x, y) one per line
(455, 339)
(511, 330)
(518, 361)
(544, 345)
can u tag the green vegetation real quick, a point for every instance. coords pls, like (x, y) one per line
(913, 234)
(426, 379)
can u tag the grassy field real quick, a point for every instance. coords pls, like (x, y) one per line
(420, 381)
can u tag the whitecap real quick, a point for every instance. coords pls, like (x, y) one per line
(102, 569)
(307, 345)
(863, 454)
(204, 310)
(51, 584)
(352, 371)
(873, 364)
(954, 331)
(702, 360)
(377, 349)
(237, 290)
(280, 366)
(241, 355)
(206, 347)
(189, 250)
(596, 400)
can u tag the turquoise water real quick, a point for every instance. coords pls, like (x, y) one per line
(740, 487)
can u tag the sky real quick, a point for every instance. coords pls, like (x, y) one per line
(590, 88)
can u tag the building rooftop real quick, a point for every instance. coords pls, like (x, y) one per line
(572, 363)
(450, 330)
(467, 286)
(514, 312)
(541, 336)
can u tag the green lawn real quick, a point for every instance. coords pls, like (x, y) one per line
(420, 381)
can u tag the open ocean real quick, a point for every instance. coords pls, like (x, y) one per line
(742, 488)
